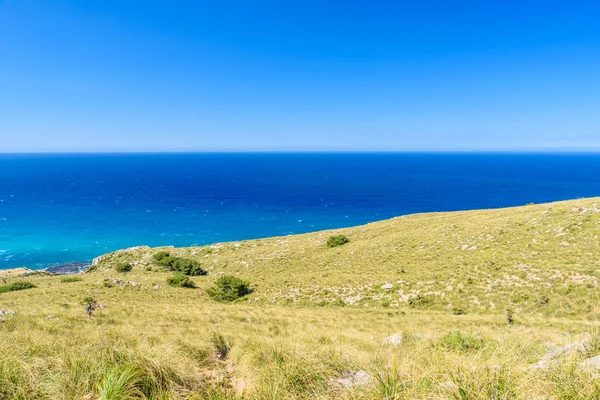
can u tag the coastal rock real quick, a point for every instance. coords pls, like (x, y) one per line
(69, 268)
(96, 261)
(135, 248)
(394, 340)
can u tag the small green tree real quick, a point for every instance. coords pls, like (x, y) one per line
(229, 288)
(337, 240)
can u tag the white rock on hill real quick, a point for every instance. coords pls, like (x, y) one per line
(359, 378)
(593, 362)
(571, 348)
(394, 340)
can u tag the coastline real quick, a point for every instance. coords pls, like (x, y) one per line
(61, 269)
(80, 266)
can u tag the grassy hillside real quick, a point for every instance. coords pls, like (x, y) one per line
(536, 258)
(319, 324)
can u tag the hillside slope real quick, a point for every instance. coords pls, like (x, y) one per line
(319, 324)
(542, 258)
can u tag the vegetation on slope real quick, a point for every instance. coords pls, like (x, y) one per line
(538, 258)
(18, 285)
(149, 340)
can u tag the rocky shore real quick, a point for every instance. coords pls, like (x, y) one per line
(60, 269)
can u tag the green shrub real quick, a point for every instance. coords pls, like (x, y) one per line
(229, 288)
(69, 279)
(188, 267)
(180, 280)
(20, 285)
(163, 258)
(461, 341)
(123, 267)
(178, 264)
(337, 240)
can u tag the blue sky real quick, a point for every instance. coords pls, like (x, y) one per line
(120, 75)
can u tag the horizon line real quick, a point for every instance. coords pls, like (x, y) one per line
(323, 151)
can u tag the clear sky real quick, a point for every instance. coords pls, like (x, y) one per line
(124, 75)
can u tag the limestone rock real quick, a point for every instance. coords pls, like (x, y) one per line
(593, 362)
(394, 340)
(548, 359)
(352, 379)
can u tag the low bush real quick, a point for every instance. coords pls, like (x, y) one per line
(337, 240)
(20, 285)
(185, 266)
(188, 267)
(123, 267)
(69, 279)
(229, 288)
(180, 280)
(420, 301)
(162, 258)
(458, 311)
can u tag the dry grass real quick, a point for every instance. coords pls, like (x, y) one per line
(281, 343)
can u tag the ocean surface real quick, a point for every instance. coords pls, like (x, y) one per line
(57, 209)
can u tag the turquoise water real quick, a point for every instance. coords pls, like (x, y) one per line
(61, 208)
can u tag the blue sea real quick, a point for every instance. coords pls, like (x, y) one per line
(56, 209)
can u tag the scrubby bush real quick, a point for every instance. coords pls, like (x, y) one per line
(20, 285)
(229, 288)
(69, 279)
(162, 258)
(180, 280)
(458, 311)
(188, 267)
(337, 240)
(185, 266)
(420, 301)
(123, 267)
(461, 341)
